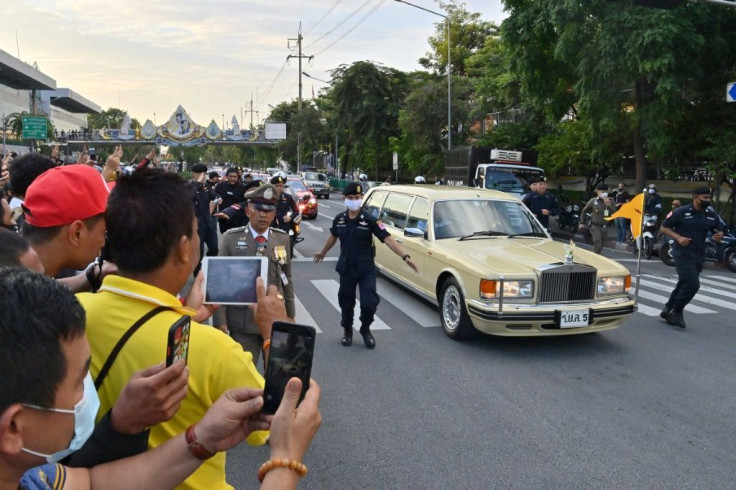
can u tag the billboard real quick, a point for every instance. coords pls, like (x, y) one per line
(275, 131)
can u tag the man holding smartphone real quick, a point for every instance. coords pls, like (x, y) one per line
(356, 265)
(257, 239)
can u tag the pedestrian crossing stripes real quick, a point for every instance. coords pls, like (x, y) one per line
(653, 294)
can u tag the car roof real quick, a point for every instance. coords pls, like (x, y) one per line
(443, 192)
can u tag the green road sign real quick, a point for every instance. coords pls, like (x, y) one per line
(34, 127)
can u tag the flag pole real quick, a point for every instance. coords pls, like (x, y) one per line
(641, 245)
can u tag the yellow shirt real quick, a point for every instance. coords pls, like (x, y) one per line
(216, 362)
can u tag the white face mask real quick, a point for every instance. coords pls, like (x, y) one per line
(84, 413)
(353, 205)
(604, 194)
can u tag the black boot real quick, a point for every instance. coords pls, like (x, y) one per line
(368, 339)
(347, 338)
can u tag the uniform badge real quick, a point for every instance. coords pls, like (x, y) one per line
(268, 194)
(241, 247)
(279, 253)
(363, 223)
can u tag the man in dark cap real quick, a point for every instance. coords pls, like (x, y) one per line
(205, 201)
(540, 202)
(286, 207)
(231, 192)
(235, 214)
(600, 208)
(356, 266)
(688, 226)
(257, 239)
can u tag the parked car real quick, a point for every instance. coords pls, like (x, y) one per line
(317, 183)
(305, 200)
(491, 267)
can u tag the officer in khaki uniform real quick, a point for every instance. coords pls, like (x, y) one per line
(600, 208)
(257, 239)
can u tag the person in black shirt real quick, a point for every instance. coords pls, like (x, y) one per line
(356, 266)
(231, 191)
(235, 214)
(204, 202)
(286, 206)
(541, 203)
(689, 226)
(213, 178)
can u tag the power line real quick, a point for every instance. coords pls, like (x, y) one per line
(350, 16)
(368, 14)
(329, 11)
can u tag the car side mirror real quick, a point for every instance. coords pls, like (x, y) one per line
(413, 232)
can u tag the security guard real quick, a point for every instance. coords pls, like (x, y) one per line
(600, 208)
(688, 226)
(236, 214)
(205, 201)
(541, 203)
(286, 206)
(257, 239)
(356, 267)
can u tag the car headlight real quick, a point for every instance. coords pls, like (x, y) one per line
(650, 223)
(312, 201)
(511, 289)
(568, 209)
(576, 207)
(614, 284)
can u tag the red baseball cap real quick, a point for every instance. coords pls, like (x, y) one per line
(66, 194)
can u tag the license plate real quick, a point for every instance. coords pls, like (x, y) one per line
(574, 318)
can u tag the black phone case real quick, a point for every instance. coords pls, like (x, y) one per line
(276, 382)
(170, 345)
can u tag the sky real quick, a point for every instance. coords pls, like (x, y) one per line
(214, 56)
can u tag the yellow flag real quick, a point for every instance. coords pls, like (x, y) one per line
(633, 211)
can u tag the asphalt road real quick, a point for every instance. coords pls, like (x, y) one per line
(643, 406)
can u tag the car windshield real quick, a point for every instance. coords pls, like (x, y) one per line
(503, 181)
(483, 218)
(297, 185)
(311, 176)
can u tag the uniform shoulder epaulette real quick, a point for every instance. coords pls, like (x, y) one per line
(239, 229)
(278, 230)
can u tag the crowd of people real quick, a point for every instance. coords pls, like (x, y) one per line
(85, 400)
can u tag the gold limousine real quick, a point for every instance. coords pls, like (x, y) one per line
(491, 266)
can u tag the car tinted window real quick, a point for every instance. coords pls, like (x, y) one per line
(460, 218)
(374, 202)
(503, 181)
(395, 209)
(419, 214)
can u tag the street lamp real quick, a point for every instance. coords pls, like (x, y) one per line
(315, 78)
(449, 82)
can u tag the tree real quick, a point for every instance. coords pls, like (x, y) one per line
(109, 118)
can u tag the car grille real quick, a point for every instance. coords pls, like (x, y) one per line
(574, 282)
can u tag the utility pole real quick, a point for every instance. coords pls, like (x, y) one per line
(299, 106)
(251, 112)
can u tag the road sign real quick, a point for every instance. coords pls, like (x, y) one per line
(396, 161)
(35, 127)
(731, 92)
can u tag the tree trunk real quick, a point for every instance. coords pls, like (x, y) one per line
(641, 161)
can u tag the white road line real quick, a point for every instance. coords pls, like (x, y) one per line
(302, 315)
(717, 283)
(296, 255)
(663, 299)
(705, 289)
(311, 259)
(647, 310)
(721, 278)
(325, 216)
(329, 289)
(730, 305)
(416, 311)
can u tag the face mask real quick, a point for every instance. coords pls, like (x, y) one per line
(704, 203)
(353, 205)
(604, 194)
(84, 413)
(652, 191)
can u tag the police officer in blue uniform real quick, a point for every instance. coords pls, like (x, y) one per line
(541, 202)
(204, 200)
(689, 226)
(355, 229)
(286, 206)
(235, 214)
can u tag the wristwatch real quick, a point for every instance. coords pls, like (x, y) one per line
(407, 256)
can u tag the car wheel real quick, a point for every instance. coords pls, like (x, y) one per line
(453, 315)
(730, 259)
(665, 253)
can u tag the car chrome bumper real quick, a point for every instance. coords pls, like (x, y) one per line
(520, 319)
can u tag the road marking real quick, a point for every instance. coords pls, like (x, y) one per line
(325, 216)
(730, 305)
(311, 259)
(663, 299)
(296, 255)
(302, 316)
(705, 289)
(646, 310)
(313, 227)
(717, 283)
(416, 310)
(727, 279)
(329, 289)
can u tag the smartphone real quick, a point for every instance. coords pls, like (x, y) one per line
(290, 355)
(177, 347)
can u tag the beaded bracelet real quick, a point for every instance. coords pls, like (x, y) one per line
(297, 466)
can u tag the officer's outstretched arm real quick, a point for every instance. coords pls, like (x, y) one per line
(319, 256)
(399, 250)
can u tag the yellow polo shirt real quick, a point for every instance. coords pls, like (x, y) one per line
(216, 362)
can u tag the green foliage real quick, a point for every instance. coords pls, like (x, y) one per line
(109, 118)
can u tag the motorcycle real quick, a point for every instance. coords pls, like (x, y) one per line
(718, 252)
(649, 232)
(569, 217)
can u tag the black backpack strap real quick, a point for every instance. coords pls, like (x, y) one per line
(116, 350)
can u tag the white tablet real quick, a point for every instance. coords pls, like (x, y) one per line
(232, 280)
